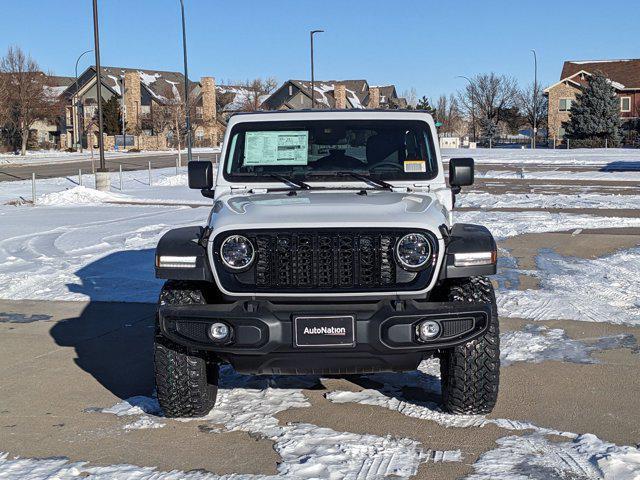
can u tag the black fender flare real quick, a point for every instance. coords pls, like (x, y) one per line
(468, 238)
(184, 242)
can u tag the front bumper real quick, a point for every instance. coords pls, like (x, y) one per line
(263, 332)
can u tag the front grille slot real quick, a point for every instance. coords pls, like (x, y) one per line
(340, 260)
(333, 260)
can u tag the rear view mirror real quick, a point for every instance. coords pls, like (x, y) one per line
(461, 172)
(200, 175)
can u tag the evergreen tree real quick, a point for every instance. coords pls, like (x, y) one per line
(112, 116)
(595, 115)
(423, 104)
(489, 128)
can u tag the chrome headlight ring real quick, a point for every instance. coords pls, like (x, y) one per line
(413, 251)
(237, 252)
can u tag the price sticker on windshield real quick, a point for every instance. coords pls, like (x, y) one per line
(415, 166)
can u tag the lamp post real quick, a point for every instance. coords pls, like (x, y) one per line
(473, 107)
(313, 96)
(535, 99)
(78, 120)
(102, 175)
(186, 83)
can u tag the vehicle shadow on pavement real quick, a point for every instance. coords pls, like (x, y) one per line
(113, 341)
(621, 166)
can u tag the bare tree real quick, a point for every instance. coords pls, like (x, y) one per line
(533, 105)
(169, 116)
(24, 95)
(255, 92)
(411, 96)
(448, 113)
(487, 98)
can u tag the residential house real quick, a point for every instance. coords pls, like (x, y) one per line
(624, 76)
(140, 92)
(329, 94)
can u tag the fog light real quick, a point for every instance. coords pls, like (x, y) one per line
(428, 330)
(219, 331)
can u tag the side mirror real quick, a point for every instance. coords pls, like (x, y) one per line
(460, 172)
(200, 175)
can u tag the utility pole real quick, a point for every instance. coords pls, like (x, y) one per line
(102, 175)
(313, 95)
(473, 107)
(78, 119)
(123, 111)
(186, 83)
(535, 99)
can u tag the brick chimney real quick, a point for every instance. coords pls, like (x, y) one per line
(132, 99)
(209, 112)
(374, 97)
(340, 95)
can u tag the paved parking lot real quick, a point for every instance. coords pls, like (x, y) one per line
(67, 367)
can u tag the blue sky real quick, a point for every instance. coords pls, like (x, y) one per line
(421, 44)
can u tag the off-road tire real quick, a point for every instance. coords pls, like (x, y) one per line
(470, 373)
(186, 383)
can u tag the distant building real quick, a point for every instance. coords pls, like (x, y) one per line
(624, 76)
(296, 94)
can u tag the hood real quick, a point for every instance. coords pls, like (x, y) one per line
(329, 209)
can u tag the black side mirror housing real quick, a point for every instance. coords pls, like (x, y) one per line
(200, 175)
(461, 172)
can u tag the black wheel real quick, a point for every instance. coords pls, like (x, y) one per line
(186, 383)
(470, 373)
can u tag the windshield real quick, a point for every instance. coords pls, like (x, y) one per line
(381, 149)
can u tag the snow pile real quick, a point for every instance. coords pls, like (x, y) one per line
(538, 200)
(539, 343)
(180, 180)
(600, 290)
(79, 195)
(138, 405)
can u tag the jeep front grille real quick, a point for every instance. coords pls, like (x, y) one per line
(326, 260)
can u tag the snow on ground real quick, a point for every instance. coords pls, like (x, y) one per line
(535, 456)
(41, 157)
(604, 289)
(509, 224)
(525, 174)
(250, 403)
(537, 343)
(531, 455)
(612, 157)
(538, 200)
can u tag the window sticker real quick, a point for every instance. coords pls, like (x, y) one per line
(415, 166)
(277, 148)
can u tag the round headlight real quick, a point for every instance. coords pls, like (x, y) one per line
(237, 252)
(413, 251)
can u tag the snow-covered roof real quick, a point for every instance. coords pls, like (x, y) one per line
(623, 74)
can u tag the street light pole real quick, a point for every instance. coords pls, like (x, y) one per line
(473, 107)
(102, 175)
(313, 96)
(78, 120)
(535, 99)
(186, 83)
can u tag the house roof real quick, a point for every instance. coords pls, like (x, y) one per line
(626, 73)
(357, 91)
(156, 82)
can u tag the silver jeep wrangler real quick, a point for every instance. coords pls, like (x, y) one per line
(330, 250)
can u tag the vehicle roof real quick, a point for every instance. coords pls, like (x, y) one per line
(343, 111)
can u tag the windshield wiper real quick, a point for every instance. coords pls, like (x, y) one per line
(296, 183)
(380, 184)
